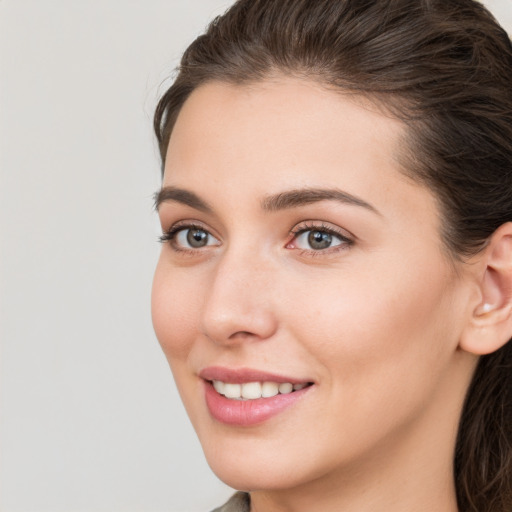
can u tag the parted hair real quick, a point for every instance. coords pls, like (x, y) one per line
(443, 67)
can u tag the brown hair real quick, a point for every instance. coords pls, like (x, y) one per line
(444, 67)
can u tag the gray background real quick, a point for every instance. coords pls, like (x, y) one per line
(90, 420)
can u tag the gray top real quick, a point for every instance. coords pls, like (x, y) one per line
(239, 502)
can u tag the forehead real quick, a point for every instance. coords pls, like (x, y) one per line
(261, 138)
(280, 123)
(283, 117)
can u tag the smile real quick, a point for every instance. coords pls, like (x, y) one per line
(244, 397)
(255, 390)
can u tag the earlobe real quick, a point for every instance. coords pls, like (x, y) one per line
(490, 326)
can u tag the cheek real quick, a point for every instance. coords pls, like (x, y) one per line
(381, 340)
(174, 309)
(389, 320)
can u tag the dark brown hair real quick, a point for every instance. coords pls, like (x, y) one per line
(444, 67)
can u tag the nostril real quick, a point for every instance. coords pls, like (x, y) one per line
(242, 334)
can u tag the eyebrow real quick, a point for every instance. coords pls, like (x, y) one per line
(304, 196)
(281, 201)
(182, 196)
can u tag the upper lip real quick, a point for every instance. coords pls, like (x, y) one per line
(242, 375)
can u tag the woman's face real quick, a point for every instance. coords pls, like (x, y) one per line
(297, 255)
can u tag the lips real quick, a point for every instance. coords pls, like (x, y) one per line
(244, 397)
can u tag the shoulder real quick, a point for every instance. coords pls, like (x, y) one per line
(239, 502)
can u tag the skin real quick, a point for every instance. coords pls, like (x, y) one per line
(375, 322)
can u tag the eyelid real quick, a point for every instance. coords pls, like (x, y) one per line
(169, 235)
(346, 237)
(320, 225)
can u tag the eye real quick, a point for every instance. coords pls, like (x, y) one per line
(318, 238)
(189, 238)
(193, 237)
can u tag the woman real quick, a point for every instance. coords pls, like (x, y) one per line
(334, 291)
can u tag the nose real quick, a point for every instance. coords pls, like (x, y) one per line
(239, 305)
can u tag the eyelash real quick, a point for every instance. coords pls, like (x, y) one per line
(304, 227)
(169, 236)
(346, 242)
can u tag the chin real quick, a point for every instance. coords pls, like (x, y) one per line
(255, 463)
(244, 465)
(247, 476)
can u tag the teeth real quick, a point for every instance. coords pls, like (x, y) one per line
(285, 388)
(269, 389)
(219, 386)
(255, 390)
(232, 390)
(251, 390)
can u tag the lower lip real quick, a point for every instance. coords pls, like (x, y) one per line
(244, 413)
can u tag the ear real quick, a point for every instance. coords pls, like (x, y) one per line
(490, 325)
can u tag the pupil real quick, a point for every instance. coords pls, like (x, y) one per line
(197, 238)
(319, 240)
